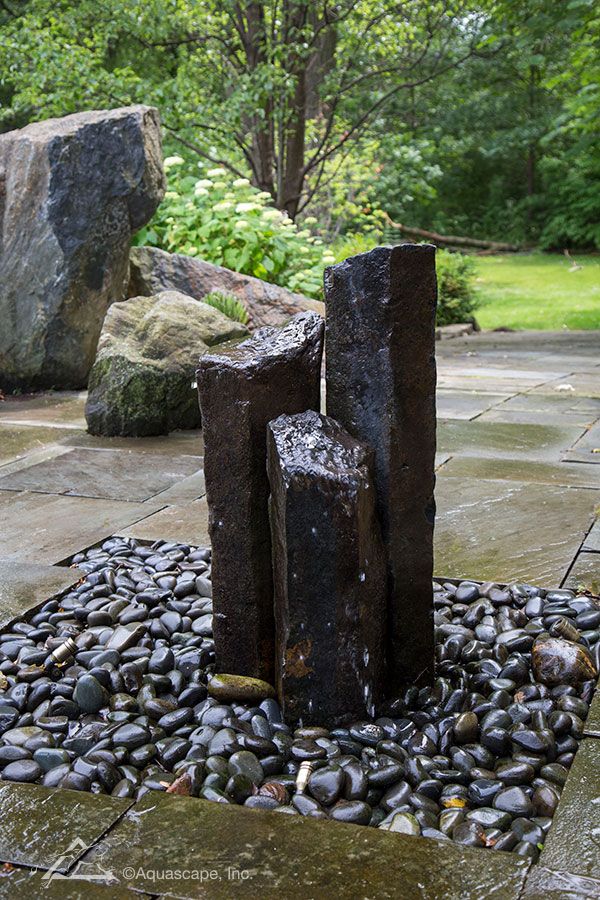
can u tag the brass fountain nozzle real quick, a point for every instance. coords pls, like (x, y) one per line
(304, 773)
(64, 652)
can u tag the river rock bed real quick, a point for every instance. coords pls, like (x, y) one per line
(480, 758)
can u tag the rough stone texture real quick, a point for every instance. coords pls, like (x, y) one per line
(573, 843)
(72, 192)
(329, 571)
(544, 884)
(141, 381)
(294, 857)
(153, 270)
(40, 824)
(23, 586)
(242, 387)
(381, 387)
(556, 661)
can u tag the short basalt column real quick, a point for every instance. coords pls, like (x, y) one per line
(242, 386)
(381, 379)
(329, 571)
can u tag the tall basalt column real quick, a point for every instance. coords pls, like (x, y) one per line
(242, 386)
(329, 571)
(381, 380)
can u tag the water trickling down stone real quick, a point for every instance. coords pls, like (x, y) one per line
(381, 387)
(242, 386)
(329, 570)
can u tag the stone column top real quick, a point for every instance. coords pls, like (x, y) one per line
(309, 443)
(363, 269)
(268, 347)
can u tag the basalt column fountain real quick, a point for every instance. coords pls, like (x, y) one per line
(329, 571)
(381, 379)
(350, 607)
(241, 387)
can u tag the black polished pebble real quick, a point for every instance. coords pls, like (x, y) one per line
(480, 757)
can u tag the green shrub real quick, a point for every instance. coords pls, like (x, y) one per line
(456, 292)
(228, 222)
(229, 305)
(353, 244)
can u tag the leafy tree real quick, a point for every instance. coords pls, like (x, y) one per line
(279, 88)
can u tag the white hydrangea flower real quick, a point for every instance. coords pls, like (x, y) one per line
(310, 220)
(245, 207)
(287, 221)
(241, 182)
(328, 259)
(220, 185)
(201, 192)
(241, 223)
(264, 195)
(204, 183)
(271, 214)
(172, 161)
(215, 173)
(222, 206)
(305, 233)
(171, 195)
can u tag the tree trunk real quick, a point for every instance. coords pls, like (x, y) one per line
(262, 153)
(451, 240)
(293, 175)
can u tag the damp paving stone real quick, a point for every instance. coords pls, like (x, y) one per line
(545, 884)
(592, 541)
(525, 470)
(45, 408)
(573, 843)
(93, 883)
(106, 474)
(504, 511)
(25, 585)
(544, 443)
(585, 573)
(591, 726)
(39, 823)
(465, 404)
(17, 441)
(182, 522)
(297, 857)
(58, 526)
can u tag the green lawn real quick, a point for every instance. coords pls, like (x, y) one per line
(538, 291)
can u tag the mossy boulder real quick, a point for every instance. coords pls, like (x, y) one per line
(141, 381)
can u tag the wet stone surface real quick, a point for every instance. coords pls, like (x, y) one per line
(479, 759)
(39, 825)
(241, 387)
(329, 618)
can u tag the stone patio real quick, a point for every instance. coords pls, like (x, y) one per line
(518, 493)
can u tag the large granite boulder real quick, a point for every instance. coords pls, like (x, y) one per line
(155, 270)
(72, 193)
(141, 381)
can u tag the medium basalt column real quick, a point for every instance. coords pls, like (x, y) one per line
(329, 571)
(381, 379)
(241, 387)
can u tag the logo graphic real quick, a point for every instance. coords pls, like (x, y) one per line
(84, 871)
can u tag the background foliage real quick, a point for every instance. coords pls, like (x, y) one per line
(473, 118)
